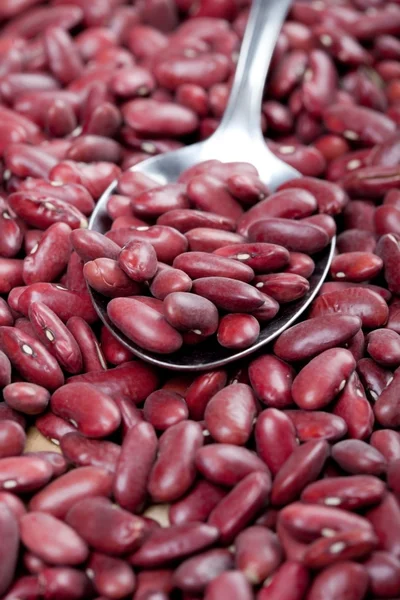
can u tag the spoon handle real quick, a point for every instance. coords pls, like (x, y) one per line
(244, 106)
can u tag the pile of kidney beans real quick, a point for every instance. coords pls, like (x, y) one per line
(281, 475)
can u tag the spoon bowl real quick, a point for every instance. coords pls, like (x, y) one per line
(238, 139)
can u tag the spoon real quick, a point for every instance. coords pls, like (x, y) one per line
(238, 138)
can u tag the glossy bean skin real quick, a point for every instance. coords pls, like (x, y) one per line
(106, 276)
(209, 193)
(283, 287)
(93, 358)
(31, 358)
(348, 493)
(91, 245)
(343, 578)
(144, 326)
(330, 197)
(185, 219)
(170, 280)
(76, 402)
(291, 579)
(138, 260)
(350, 121)
(111, 576)
(311, 424)
(187, 312)
(271, 380)
(331, 369)
(365, 304)
(232, 584)
(207, 239)
(194, 574)
(178, 541)
(52, 540)
(229, 414)
(357, 457)
(42, 211)
(258, 553)
(240, 505)
(273, 426)
(384, 573)
(49, 259)
(12, 439)
(9, 553)
(383, 346)
(197, 505)
(262, 258)
(88, 516)
(355, 266)
(228, 294)
(238, 331)
(303, 466)
(60, 495)
(55, 336)
(203, 264)
(296, 236)
(164, 408)
(171, 476)
(84, 452)
(388, 249)
(27, 398)
(200, 392)
(138, 454)
(167, 241)
(227, 464)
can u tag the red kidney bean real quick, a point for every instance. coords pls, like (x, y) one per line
(41, 211)
(227, 464)
(366, 304)
(144, 325)
(12, 233)
(388, 249)
(238, 331)
(202, 264)
(138, 260)
(167, 242)
(319, 82)
(84, 452)
(89, 516)
(248, 189)
(50, 258)
(384, 574)
(52, 540)
(385, 409)
(387, 220)
(24, 473)
(55, 336)
(350, 121)
(290, 580)
(106, 276)
(373, 377)
(383, 518)
(27, 398)
(319, 390)
(197, 504)
(240, 505)
(371, 181)
(163, 546)
(209, 194)
(9, 552)
(159, 200)
(260, 257)
(387, 442)
(258, 553)
(8, 414)
(185, 219)
(343, 579)
(76, 403)
(11, 274)
(111, 576)
(285, 204)
(275, 438)
(134, 380)
(228, 294)
(130, 414)
(92, 355)
(302, 467)
(24, 587)
(63, 493)
(356, 266)
(15, 505)
(195, 574)
(271, 380)
(288, 73)
(342, 546)
(64, 303)
(349, 493)
(149, 117)
(164, 408)
(392, 477)
(294, 235)
(155, 582)
(355, 409)
(53, 428)
(174, 470)
(168, 281)
(383, 345)
(317, 425)
(59, 581)
(282, 287)
(356, 240)
(111, 349)
(229, 414)
(135, 462)
(200, 392)
(360, 214)
(206, 239)
(58, 463)
(31, 358)
(357, 457)
(12, 439)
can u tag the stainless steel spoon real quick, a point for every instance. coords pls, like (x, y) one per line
(238, 138)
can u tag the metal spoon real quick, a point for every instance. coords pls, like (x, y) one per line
(238, 138)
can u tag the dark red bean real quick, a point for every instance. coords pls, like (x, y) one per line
(168, 281)
(167, 241)
(302, 467)
(200, 392)
(258, 553)
(63, 493)
(364, 303)
(135, 462)
(385, 409)
(174, 470)
(138, 260)
(290, 581)
(59, 581)
(229, 294)
(89, 516)
(106, 276)
(84, 452)
(355, 409)
(12, 439)
(348, 493)
(388, 249)
(92, 355)
(294, 235)
(164, 408)
(351, 121)
(357, 457)
(238, 331)
(271, 380)
(275, 438)
(111, 576)
(387, 442)
(149, 117)
(194, 574)
(197, 504)
(165, 545)
(283, 287)
(317, 425)
(343, 579)
(186, 219)
(207, 239)
(240, 505)
(229, 414)
(384, 521)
